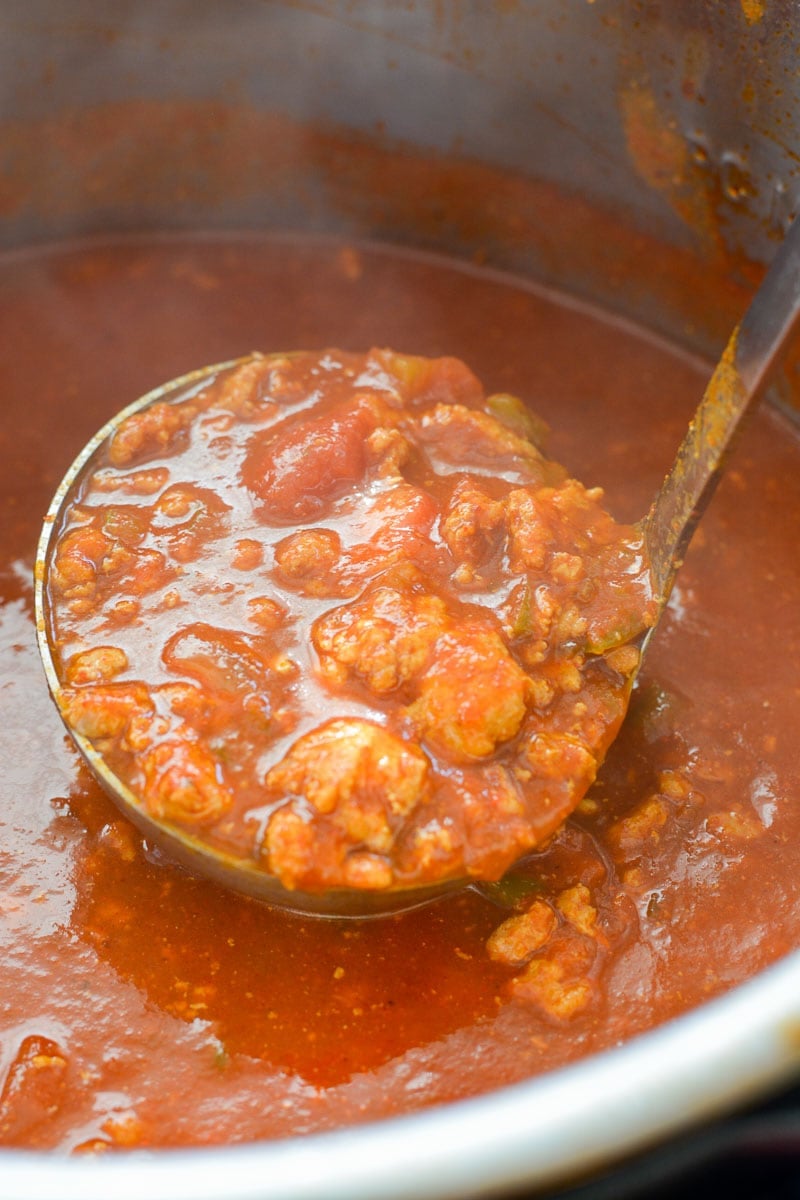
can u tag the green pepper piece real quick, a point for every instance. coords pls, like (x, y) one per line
(513, 891)
(515, 415)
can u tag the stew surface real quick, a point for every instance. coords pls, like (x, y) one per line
(339, 616)
(141, 1007)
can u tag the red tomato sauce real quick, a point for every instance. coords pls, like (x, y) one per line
(141, 1007)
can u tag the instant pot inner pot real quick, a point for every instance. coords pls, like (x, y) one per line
(366, 121)
(639, 159)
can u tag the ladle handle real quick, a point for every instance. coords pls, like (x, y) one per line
(753, 350)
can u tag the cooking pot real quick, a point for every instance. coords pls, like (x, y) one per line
(677, 121)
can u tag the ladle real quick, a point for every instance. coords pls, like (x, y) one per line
(751, 353)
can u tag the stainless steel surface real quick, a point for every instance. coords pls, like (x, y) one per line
(676, 115)
(679, 118)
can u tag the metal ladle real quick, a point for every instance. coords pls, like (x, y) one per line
(752, 352)
(236, 873)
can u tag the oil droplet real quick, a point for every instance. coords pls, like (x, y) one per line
(735, 178)
(698, 147)
(754, 10)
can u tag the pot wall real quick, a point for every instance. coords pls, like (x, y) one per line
(677, 118)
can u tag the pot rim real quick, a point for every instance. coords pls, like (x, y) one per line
(554, 1128)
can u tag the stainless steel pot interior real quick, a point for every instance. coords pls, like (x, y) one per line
(676, 117)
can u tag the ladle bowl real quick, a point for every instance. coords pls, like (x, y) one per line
(235, 872)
